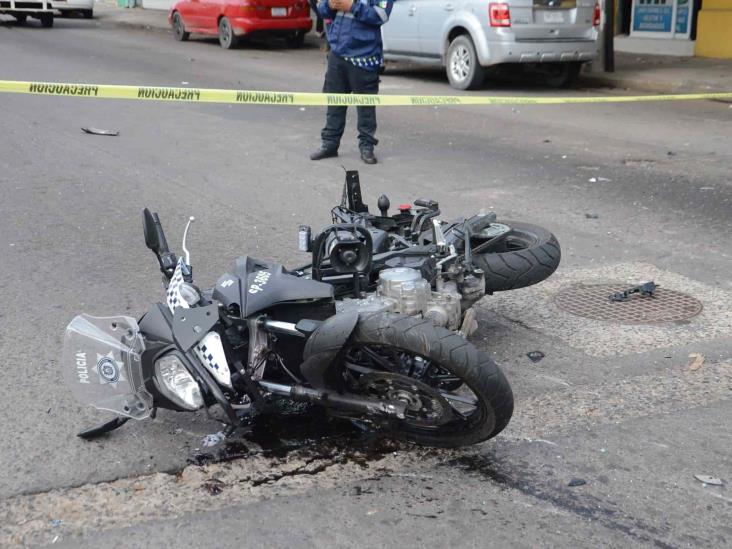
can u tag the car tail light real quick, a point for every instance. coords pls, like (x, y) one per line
(596, 16)
(499, 15)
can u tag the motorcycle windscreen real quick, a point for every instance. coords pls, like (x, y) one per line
(102, 365)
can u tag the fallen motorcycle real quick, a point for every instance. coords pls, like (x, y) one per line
(374, 329)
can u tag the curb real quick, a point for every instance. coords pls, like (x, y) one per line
(652, 86)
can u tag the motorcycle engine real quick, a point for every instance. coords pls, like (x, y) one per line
(403, 290)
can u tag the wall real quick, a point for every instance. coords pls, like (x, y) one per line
(714, 29)
(157, 4)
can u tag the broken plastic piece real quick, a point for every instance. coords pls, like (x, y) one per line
(645, 289)
(577, 482)
(697, 361)
(706, 479)
(535, 356)
(97, 131)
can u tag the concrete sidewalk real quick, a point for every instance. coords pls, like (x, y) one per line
(666, 74)
(648, 73)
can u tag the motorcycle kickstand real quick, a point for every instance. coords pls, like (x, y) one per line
(94, 432)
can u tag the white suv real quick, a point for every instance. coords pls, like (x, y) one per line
(84, 7)
(466, 36)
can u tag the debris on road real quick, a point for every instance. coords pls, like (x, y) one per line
(696, 362)
(598, 179)
(214, 486)
(645, 289)
(97, 131)
(577, 482)
(592, 216)
(535, 356)
(706, 479)
(212, 440)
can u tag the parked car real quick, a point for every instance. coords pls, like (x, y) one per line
(467, 36)
(23, 9)
(232, 20)
(84, 7)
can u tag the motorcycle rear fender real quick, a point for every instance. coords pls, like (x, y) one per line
(324, 346)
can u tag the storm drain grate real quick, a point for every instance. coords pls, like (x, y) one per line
(593, 301)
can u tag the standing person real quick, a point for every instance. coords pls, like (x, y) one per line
(354, 60)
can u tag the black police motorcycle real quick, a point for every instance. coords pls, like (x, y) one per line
(374, 329)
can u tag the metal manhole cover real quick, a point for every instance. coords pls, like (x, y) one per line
(593, 301)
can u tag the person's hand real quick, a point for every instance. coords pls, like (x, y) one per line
(340, 5)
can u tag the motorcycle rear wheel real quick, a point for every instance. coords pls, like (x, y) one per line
(528, 255)
(391, 356)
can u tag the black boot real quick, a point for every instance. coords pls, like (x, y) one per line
(367, 155)
(322, 152)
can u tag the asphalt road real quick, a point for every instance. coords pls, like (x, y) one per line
(615, 406)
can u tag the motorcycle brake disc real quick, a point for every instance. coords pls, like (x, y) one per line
(426, 407)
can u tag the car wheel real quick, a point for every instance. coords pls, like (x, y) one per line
(88, 14)
(463, 69)
(20, 18)
(179, 29)
(296, 39)
(227, 38)
(562, 75)
(46, 20)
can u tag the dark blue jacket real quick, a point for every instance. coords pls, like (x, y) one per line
(356, 35)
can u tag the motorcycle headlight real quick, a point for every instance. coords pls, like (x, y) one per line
(176, 383)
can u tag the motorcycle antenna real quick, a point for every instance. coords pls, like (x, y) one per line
(185, 235)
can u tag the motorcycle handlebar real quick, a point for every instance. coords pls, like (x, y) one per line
(163, 243)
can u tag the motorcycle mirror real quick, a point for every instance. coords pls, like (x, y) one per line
(151, 234)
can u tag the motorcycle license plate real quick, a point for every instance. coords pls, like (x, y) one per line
(279, 12)
(553, 17)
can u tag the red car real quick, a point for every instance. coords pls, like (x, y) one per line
(231, 20)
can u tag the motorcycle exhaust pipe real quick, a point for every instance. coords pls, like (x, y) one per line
(391, 408)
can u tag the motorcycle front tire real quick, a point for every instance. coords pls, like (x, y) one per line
(533, 255)
(455, 354)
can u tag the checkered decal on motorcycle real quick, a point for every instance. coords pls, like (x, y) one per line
(173, 294)
(208, 357)
(211, 354)
(209, 351)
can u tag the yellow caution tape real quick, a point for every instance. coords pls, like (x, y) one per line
(254, 97)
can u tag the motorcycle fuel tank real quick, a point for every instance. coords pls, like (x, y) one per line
(254, 285)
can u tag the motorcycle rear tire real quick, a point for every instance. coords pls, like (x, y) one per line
(455, 354)
(535, 257)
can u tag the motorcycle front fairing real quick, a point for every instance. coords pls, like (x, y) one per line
(102, 365)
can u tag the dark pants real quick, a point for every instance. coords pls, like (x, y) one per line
(344, 77)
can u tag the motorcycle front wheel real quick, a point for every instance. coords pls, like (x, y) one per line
(526, 256)
(407, 359)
